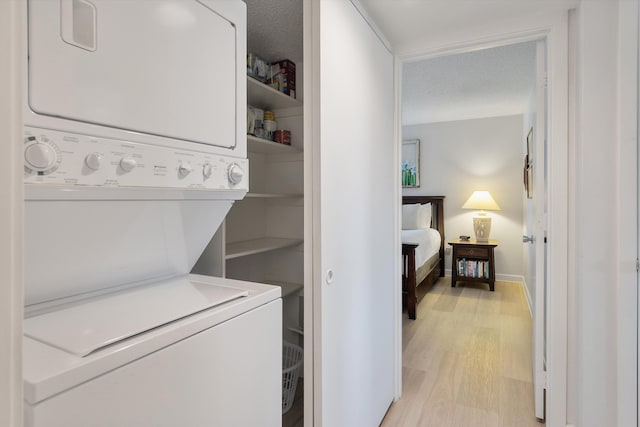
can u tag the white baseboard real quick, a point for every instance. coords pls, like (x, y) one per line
(510, 278)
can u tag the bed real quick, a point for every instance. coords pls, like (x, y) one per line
(422, 247)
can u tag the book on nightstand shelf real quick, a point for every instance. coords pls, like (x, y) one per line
(473, 268)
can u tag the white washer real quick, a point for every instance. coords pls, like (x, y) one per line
(135, 150)
(211, 367)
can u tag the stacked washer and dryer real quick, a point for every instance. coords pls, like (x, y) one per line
(135, 150)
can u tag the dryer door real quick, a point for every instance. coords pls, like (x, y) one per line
(169, 68)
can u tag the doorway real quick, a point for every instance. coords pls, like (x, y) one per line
(476, 115)
(556, 38)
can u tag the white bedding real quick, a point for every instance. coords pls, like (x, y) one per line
(428, 241)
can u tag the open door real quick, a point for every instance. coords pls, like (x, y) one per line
(353, 212)
(539, 239)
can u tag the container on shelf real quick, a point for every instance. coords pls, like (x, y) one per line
(259, 117)
(283, 77)
(258, 122)
(269, 115)
(251, 120)
(257, 68)
(283, 136)
(270, 127)
(255, 121)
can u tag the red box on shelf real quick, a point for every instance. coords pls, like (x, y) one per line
(284, 76)
(283, 137)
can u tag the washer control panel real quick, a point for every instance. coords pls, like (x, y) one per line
(64, 158)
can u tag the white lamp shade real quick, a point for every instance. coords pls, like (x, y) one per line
(481, 200)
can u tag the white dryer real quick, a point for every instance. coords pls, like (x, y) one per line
(135, 150)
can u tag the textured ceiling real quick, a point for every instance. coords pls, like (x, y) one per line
(485, 83)
(274, 29)
(411, 23)
(472, 85)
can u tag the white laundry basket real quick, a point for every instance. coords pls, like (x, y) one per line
(291, 362)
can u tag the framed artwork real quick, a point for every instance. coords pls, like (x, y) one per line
(525, 174)
(411, 163)
(529, 165)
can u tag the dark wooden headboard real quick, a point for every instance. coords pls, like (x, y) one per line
(437, 216)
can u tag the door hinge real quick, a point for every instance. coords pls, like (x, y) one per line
(542, 379)
(637, 265)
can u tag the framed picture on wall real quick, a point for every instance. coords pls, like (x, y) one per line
(529, 165)
(525, 173)
(411, 163)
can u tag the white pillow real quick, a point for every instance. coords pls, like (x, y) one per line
(410, 216)
(424, 216)
(416, 216)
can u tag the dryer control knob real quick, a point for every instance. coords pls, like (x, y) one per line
(41, 155)
(235, 173)
(93, 161)
(184, 169)
(207, 170)
(128, 164)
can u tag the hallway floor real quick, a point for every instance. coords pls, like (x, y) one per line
(467, 359)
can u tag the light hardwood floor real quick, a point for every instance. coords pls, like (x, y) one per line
(467, 359)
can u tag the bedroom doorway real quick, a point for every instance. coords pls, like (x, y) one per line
(556, 135)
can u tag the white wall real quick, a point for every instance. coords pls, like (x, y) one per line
(459, 157)
(12, 15)
(598, 233)
(627, 295)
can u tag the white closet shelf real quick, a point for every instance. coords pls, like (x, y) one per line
(256, 246)
(273, 196)
(287, 288)
(265, 146)
(262, 96)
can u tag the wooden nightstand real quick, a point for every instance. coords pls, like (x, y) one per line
(473, 261)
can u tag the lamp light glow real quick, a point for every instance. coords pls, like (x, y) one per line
(482, 201)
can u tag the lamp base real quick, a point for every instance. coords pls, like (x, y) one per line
(482, 228)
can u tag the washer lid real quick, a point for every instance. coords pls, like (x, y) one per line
(92, 325)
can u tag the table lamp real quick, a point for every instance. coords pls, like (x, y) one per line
(482, 201)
